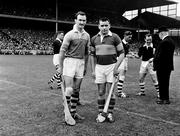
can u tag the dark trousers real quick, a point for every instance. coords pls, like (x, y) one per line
(163, 79)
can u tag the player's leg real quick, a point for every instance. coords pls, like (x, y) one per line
(101, 84)
(142, 75)
(101, 97)
(110, 80)
(78, 77)
(120, 84)
(74, 99)
(111, 104)
(142, 84)
(56, 76)
(122, 72)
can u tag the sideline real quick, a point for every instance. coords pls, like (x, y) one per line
(89, 102)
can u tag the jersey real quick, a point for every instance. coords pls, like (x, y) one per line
(56, 46)
(105, 49)
(146, 52)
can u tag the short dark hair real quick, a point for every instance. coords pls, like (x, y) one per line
(103, 19)
(79, 13)
(148, 35)
(127, 33)
(59, 32)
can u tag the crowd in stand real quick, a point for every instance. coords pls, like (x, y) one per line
(18, 41)
(38, 42)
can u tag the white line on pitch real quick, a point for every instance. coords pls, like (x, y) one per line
(16, 84)
(148, 117)
(24, 86)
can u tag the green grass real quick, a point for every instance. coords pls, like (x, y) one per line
(29, 108)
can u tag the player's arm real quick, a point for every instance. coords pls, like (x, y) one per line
(63, 49)
(120, 52)
(92, 53)
(87, 55)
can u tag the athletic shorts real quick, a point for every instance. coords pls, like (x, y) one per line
(104, 73)
(124, 64)
(73, 67)
(146, 67)
(56, 58)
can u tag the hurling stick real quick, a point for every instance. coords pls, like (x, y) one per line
(68, 118)
(103, 116)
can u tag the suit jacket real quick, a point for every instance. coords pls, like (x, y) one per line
(163, 59)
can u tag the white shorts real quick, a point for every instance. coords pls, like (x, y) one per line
(146, 67)
(104, 73)
(124, 64)
(56, 58)
(73, 67)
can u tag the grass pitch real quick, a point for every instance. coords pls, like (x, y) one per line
(29, 108)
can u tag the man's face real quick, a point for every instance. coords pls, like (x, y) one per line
(148, 40)
(61, 36)
(80, 21)
(104, 27)
(128, 38)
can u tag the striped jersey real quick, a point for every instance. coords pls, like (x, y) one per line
(104, 48)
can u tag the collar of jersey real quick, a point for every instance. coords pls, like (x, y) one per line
(109, 34)
(76, 31)
(151, 45)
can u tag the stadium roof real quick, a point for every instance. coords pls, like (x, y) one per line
(148, 20)
(116, 5)
(119, 6)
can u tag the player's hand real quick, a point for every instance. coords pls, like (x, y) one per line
(115, 73)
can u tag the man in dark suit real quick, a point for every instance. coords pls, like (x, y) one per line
(163, 64)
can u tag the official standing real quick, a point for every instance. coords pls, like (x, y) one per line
(163, 64)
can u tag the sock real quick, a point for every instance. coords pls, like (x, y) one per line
(59, 80)
(101, 103)
(68, 98)
(157, 87)
(111, 105)
(120, 86)
(142, 87)
(55, 76)
(73, 104)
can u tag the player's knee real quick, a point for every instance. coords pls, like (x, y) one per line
(154, 79)
(101, 93)
(69, 91)
(77, 90)
(122, 77)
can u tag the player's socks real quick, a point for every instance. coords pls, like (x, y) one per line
(156, 85)
(101, 103)
(59, 81)
(142, 89)
(73, 104)
(111, 105)
(68, 98)
(55, 76)
(120, 86)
